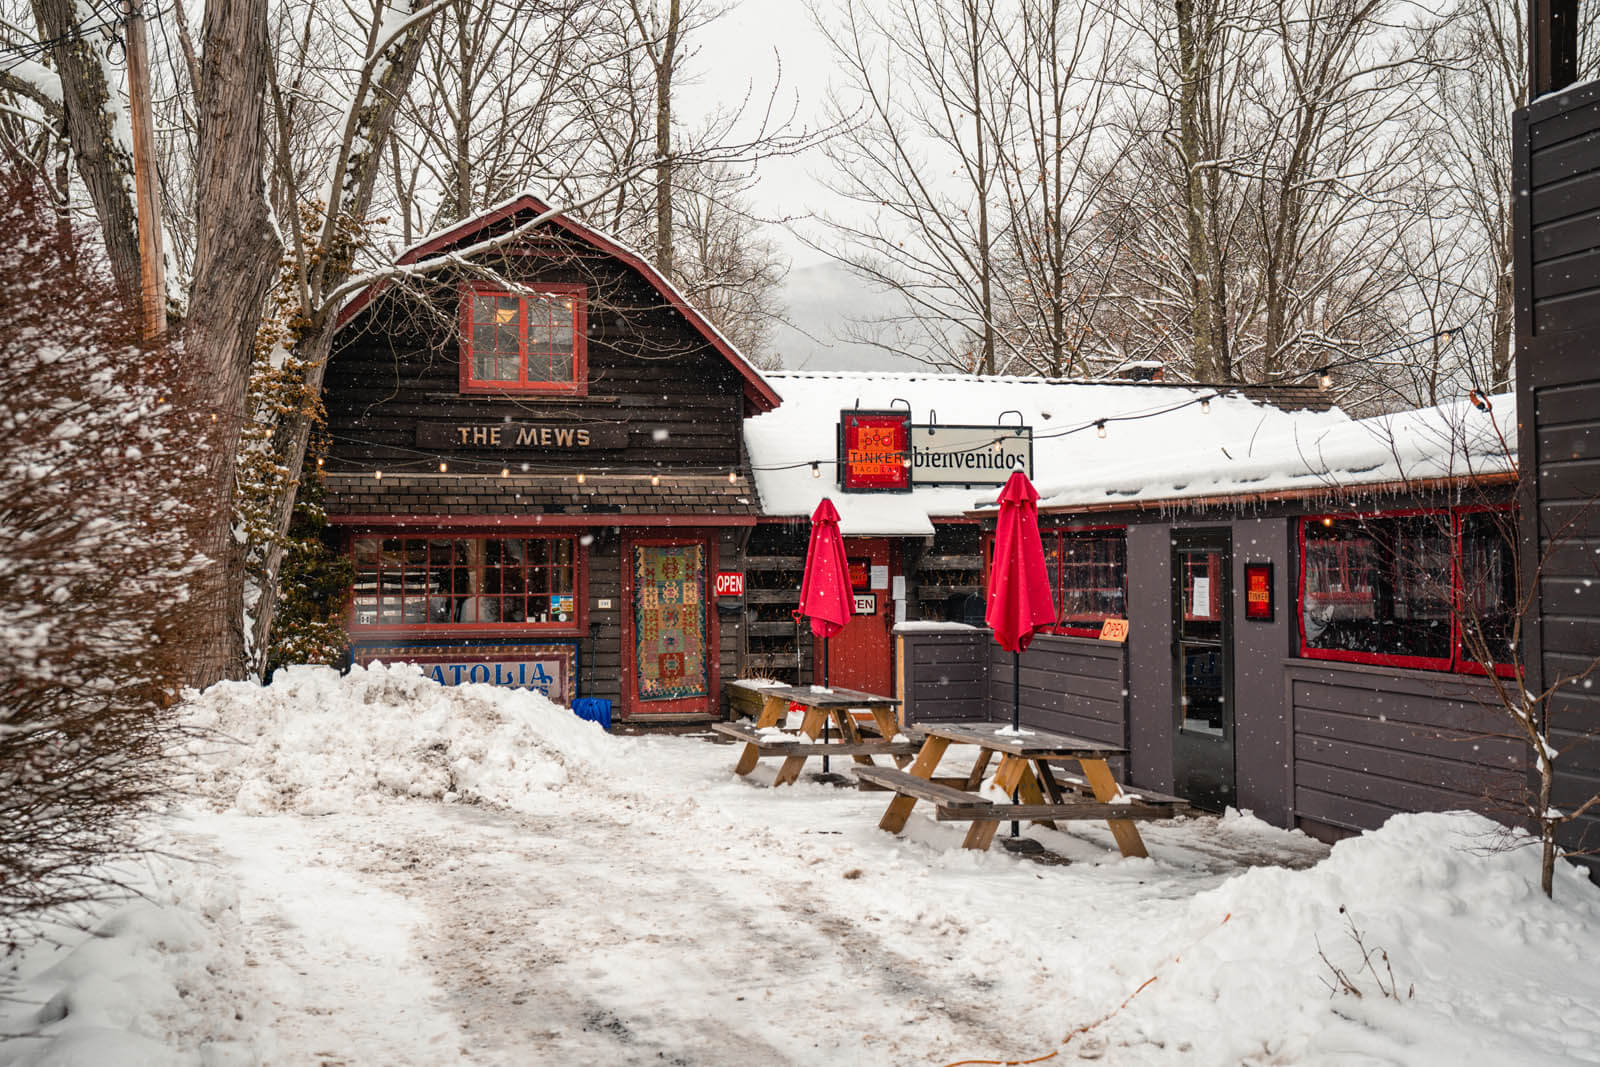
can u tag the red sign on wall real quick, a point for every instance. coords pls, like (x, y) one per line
(1258, 592)
(730, 583)
(875, 451)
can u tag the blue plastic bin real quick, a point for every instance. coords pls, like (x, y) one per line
(593, 709)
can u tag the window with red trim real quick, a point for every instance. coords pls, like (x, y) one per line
(1407, 590)
(469, 583)
(526, 341)
(1088, 577)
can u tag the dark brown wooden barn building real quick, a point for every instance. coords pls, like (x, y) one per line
(536, 462)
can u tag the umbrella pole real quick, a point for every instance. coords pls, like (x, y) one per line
(825, 718)
(1016, 714)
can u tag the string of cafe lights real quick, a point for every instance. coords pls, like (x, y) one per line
(427, 460)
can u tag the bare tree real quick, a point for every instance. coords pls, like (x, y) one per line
(726, 268)
(1053, 165)
(926, 91)
(100, 142)
(1265, 202)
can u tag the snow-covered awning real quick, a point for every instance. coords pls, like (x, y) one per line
(1455, 441)
(1146, 423)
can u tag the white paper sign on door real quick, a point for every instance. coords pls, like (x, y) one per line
(1202, 598)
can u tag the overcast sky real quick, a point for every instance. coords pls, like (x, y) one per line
(756, 45)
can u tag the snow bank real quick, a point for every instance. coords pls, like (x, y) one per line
(315, 742)
(138, 986)
(1476, 962)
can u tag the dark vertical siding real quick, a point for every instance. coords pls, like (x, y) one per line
(1373, 741)
(1150, 707)
(729, 552)
(945, 673)
(600, 652)
(1556, 164)
(1072, 685)
(1262, 741)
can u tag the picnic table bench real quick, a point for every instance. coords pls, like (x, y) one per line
(1024, 770)
(861, 741)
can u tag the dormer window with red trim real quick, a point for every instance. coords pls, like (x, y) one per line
(523, 341)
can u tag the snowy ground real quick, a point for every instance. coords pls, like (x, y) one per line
(381, 871)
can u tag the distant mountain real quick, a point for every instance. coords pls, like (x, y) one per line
(822, 299)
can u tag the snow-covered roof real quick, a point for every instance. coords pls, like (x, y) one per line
(1451, 441)
(1146, 423)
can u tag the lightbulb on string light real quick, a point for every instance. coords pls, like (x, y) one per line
(1100, 429)
(443, 467)
(733, 477)
(581, 478)
(1205, 406)
(816, 469)
(655, 479)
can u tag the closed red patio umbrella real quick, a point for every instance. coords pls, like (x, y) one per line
(825, 594)
(1020, 603)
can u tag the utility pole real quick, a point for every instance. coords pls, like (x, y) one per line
(152, 274)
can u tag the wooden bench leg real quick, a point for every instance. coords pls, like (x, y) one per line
(975, 779)
(888, 725)
(1105, 787)
(773, 711)
(1028, 789)
(811, 727)
(1050, 784)
(1007, 776)
(899, 810)
(980, 835)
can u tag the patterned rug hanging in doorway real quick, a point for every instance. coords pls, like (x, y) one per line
(669, 613)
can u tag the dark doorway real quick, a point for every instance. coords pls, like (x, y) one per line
(1202, 745)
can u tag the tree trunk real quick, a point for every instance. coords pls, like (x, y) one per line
(664, 65)
(980, 142)
(1501, 321)
(235, 258)
(1194, 195)
(354, 187)
(105, 162)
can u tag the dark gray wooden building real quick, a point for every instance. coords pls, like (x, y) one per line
(1294, 643)
(536, 462)
(1556, 167)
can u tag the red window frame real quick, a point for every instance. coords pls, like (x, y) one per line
(579, 383)
(1458, 662)
(427, 595)
(1057, 535)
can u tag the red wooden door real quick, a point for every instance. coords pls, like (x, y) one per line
(859, 656)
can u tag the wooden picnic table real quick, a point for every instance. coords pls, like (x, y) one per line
(821, 706)
(1024, 770)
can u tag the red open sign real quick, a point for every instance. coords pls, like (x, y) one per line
(730, 583)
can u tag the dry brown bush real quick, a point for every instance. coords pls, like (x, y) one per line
(97, 446)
